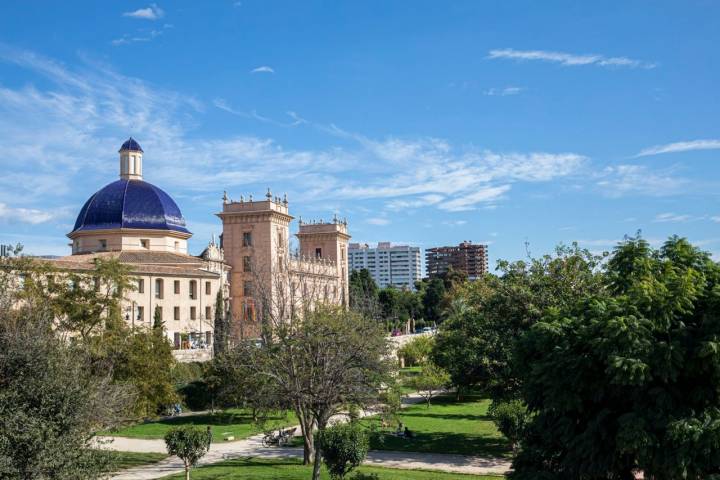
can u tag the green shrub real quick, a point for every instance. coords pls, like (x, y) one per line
(417, 351)
(510, 417)
(343, 447)
(189, 443)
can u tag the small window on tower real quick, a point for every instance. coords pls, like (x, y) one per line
(145, 243)
(247, 239)
(247, 265)
(103, 244)
(318, 252)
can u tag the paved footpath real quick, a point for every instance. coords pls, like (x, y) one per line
(252, 447)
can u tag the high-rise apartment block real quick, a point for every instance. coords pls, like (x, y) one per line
(467, 257)
(397, 265)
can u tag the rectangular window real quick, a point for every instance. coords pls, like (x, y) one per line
(193, 313)
(176, 286)
(208, 288)
(247, 239)
(140, 314)
(145, 243)
(246, 264)
(318, 252)
(103, 244)
(208, 313)
(176, 340)
(247, 289)
(159, 287)
(193, 289)
(176, 313)
(141, 285)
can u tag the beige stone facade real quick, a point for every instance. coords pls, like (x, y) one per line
(266, 276)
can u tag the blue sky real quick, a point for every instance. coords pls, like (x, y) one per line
(423, 122)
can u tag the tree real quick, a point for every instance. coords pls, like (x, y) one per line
(320, 363)
(141, 358)
(221, 327)
(432, 299)
(430, 382)
(363, 293)
(53, 400)
(510, 417)
(158, 322)
(417, 351)
(628, 381)
(486, 317)
(344, 447)
(189, 443)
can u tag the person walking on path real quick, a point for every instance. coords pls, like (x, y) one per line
(209, 436)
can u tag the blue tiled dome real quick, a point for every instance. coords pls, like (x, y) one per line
(131, 144)
(130, 204)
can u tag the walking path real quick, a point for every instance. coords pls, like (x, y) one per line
(252, 447)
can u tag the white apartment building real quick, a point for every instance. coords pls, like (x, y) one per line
(397, 265)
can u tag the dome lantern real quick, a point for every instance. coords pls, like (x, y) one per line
(131, 160)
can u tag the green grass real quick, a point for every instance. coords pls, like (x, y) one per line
(290, 469)
(446, 427)
(405, 374)
(233, 422)
(124, 460)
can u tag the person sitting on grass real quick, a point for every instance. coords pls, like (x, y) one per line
(408, 433)
(399, 430)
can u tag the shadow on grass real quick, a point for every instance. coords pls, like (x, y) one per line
(446, 416)
(452, 443)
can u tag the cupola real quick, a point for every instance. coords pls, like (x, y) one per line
(131, 160)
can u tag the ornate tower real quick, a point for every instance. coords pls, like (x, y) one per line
(131, 160)
(328, 241)
(255, 242)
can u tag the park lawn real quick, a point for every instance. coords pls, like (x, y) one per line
(125, 460)
(404, 375)
(447, 426)
(292, 469)
(232, 422)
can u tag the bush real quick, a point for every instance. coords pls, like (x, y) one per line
(365, 476)
(343, 447)
(189, 443)
(417, 351)
(510, 417)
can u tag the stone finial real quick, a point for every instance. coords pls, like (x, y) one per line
(250, 197)
(300, 220)
(285, 200)
(242, 199)
(225, 197)
(268, 195)
(335, 218)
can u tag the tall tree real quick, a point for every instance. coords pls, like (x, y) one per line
(628, 381)
(53, 399)
(221, 326)
(363, 293)
(487, 316)
(321, 363)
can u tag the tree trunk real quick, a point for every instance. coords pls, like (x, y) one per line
(187, 472)
(306, 427)
(322, 423)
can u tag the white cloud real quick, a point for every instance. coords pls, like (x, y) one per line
(503, 92)
(711, 144)
(470, 200)
(455, 223)
(623, 180)
(715, 219)
(378, 221)
(262, 69)
(671, 217)
(153, 12)
(568, 59)
(25, 215)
